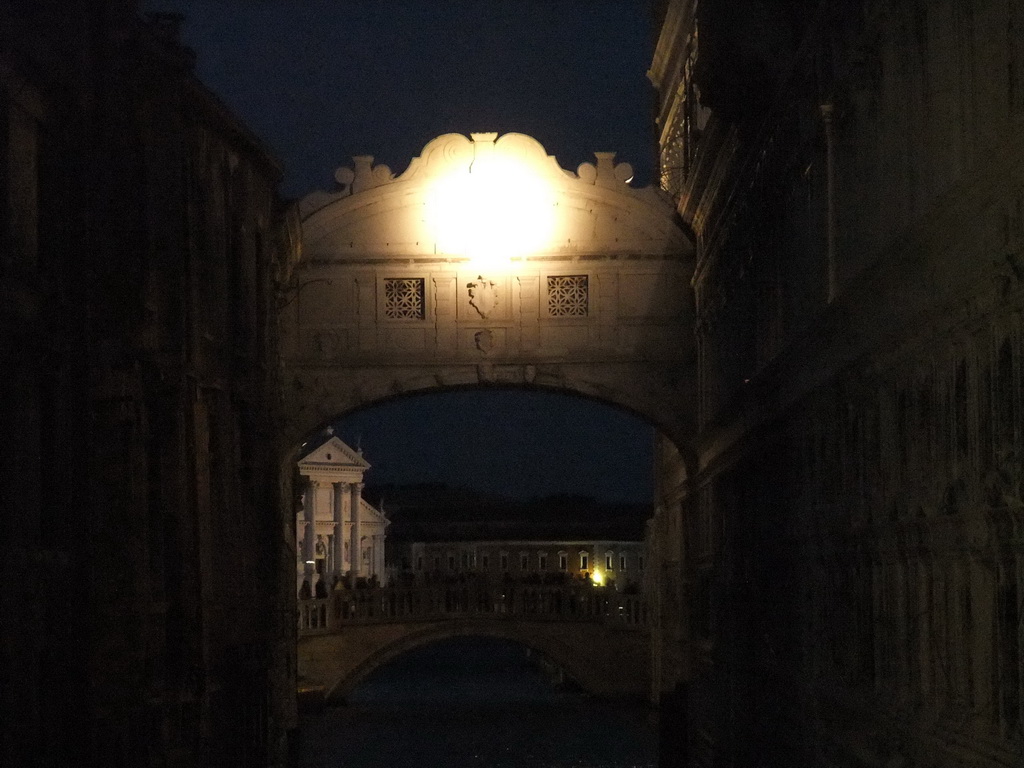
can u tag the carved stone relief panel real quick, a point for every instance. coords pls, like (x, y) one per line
(483, 341)
(483, 296)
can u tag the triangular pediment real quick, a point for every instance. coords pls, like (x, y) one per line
(370, 512)
(334, 454)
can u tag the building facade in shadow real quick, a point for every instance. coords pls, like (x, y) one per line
(142, 553)
(847, 538)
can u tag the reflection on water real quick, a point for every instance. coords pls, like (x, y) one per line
(474, 702)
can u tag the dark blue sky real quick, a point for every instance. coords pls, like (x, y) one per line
(507, 442)
(322, 80)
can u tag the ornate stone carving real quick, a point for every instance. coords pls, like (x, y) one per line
(423, 212)
(365, 176)
(484, 340)
(483, 295)
(606, 173)
(403, 298)
(568, 295)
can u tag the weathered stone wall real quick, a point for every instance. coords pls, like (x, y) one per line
(142, 530)
(852, 531)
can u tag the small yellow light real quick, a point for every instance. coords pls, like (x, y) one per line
(496, 210)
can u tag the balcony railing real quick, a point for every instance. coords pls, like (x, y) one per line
(572, 603)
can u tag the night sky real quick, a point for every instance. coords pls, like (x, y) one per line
(322, 80)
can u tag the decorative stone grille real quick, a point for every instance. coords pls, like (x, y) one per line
(568, 295)
(403, 298)
(673, 161)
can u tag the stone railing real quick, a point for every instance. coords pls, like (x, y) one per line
(573, 603)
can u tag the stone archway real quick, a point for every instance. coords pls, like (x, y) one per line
(602, 660)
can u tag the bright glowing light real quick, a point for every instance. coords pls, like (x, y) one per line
(598, 578)
(497, 210)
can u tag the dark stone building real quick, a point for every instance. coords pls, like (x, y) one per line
(844, 547)
(142, 546)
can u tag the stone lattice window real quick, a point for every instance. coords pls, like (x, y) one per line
(403, 298)
(568, 295)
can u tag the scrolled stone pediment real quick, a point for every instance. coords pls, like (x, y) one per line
(594, 211)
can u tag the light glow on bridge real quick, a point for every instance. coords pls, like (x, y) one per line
(498, 209)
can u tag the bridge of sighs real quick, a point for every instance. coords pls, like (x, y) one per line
(485, 263)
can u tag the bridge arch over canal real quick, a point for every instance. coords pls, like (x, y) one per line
(604, 654)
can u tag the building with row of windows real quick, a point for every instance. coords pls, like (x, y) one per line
(618, 563)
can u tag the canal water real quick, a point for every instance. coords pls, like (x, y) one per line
(475, 702)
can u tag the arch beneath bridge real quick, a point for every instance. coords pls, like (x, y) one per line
(604, 660)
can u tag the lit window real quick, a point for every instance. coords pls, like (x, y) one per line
(609, 558)
(584, 561)
(622, 562)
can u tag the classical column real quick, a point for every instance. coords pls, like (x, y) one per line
(357, 558)
(339, 530)
(309, 548)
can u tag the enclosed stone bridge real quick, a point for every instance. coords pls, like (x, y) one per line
(485, 263)
(595, 636)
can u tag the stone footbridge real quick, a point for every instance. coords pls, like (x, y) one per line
(598, 637)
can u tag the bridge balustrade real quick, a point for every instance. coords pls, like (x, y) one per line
(583, 603)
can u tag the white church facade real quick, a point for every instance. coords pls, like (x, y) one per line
(339, 535)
